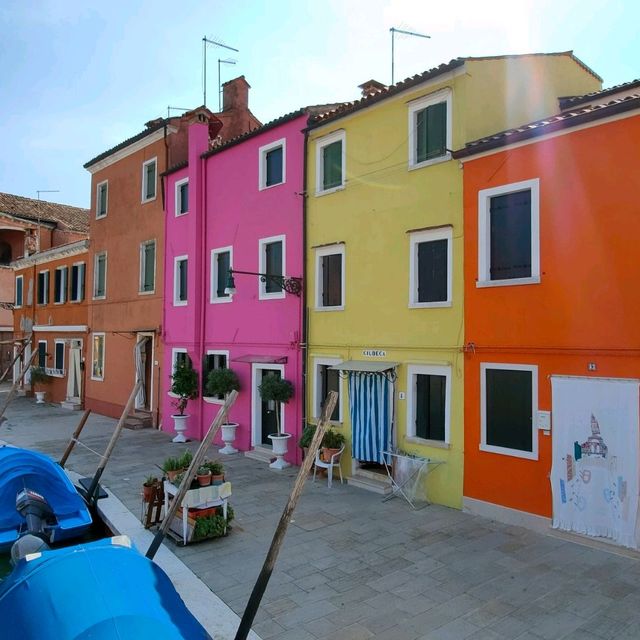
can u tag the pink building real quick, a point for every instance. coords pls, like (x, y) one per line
(252, 192)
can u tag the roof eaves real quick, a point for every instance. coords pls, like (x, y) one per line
(569, 101)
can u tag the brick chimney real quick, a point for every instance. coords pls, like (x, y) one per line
(371, 86)
(235, 94)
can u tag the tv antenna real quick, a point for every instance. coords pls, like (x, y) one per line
(170, 109)
(406, 33)
(216, 43)
(39, 191)
(227, 61)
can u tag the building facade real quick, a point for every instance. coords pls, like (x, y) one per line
(384, 257)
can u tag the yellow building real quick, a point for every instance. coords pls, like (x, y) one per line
(384, 254)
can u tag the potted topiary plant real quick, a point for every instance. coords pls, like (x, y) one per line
(185, 387)
(279, 391)
(332, 442)
(39, 377)
(221, 382)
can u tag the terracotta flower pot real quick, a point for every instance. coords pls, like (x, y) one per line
(147, 492)
(327, 453)
(204, 480)
(216, 480)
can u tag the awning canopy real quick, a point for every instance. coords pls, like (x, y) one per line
(369, 366)
(261, 359)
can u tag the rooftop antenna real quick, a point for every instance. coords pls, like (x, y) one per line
(406, 33)
(227, 61)
(215, 43)
(39, 191)
(170, 109)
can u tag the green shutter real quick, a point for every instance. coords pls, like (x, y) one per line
(224, 264)
(273, 260)
(431, 132)
(332, 165)
(149, 267)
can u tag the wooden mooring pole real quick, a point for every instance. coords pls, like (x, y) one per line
(14, 387)
(74, 438)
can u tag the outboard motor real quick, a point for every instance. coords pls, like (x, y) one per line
(25, 545)
(36, 511)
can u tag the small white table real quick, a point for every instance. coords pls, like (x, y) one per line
(201, 498)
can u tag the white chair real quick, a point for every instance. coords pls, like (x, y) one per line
(334, 462)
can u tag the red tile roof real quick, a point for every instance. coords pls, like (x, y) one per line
(67, 217)
(569, 102)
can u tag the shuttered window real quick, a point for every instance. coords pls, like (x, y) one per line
(149, 180)
(60, 285)
(332, 280)
(76, 293)
(430, 407)
(273, 265)
(180, 282)
(332, 165)
(273, 168)
(101, 200)
(510, 236)
(329, 381)
(58, 358)
(19, 290)
(183, 198)
(43, 287)
(100, 276)
(431, 132)
(42, 353)
(148, 266)
(509, 408)
(432, 271)
(224, 264)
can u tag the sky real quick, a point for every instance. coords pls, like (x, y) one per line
(78, 77)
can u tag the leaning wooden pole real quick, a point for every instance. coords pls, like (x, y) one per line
(278, 537)
(190, 473)
(112, 443)
(74, 438)
(26, 341)
(14, 386)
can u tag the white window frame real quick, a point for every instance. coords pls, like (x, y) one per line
(105, 184)
(179, 184)
(59, 371)
(326, 251)
(443, 95)
(484, 233)
(80, 298)
(46, 347)
(174, 352)
(21, 279)
(262, 166)
(321, 143)
(429, 235)
(414, 370)
(317, 387)
(144, 244)
(213, 293)
(64, 283)
(516, 453)
(104, 351)
(262, 268)
(176, 281)
(95, 275)
(144, 180)
(216, 352)
(45, 289)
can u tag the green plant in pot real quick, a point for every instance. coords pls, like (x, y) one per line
(217, 471)
(148, 486)
(172, 467)
(332, 442)
(39, 377)
(307, 436)
(220, 383)
(279, 391)
(184, 386)
(204, 476)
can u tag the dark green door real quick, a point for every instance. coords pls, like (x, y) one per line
(269, 424)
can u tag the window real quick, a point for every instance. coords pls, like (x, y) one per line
(271, 262)
(76, 293)
(326, 379)
(60, 285)
(43, 287)
(97, 357)
(430, 268)
(272, 164)
(430, 129)
(509, 405)
(429, 402)
(221, 262)
(19, 291)
(100, 275)
(180, 281)
(102, 199)
(179, 357)
(182, 197)
(149, 180)
(42, 353)
(214, 360)
(509, 234)
(330, 163)
(58, 357)
(330, 277)
(148, 266)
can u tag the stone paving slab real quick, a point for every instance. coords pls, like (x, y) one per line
(353, 567)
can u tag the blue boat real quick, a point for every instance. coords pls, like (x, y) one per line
(37, 497)
(104, 590)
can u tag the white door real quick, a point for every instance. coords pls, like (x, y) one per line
(74, 377)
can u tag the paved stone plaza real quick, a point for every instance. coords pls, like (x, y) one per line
(353, 567)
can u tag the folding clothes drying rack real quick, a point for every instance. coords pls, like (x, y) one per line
(408, 473)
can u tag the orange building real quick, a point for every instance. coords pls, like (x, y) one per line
(125, 266)
(551, 270)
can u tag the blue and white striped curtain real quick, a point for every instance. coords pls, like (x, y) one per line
(370, 413)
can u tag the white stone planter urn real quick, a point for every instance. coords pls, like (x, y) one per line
(180, 425)
(280, 444)
(40, 397)
(228, 437)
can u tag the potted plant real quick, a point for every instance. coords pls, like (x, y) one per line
(148, 487)
(39, 377)
(332, 442)
(279, 391)
(172, 467)
(221, 382)
(185, 387)
(204, 476)
(217, 471)
(305, 439)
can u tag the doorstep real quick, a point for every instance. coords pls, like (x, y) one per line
(262, 454)
(370, 481)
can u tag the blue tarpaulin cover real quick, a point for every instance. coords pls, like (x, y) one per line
(104, 590)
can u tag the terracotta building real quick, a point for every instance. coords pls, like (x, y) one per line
(125, 266)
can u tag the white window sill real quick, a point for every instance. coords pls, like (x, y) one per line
(99, 217)
(224, 300)
(264, 187)
(172, 395)
(427, 163)
(340, 308)
(326, 192)
(179, 215)
(17, 306)
(438, 444)
(513, 282)
(59, 303)
(210, 400)
(272, 296)
(514, 453)
(97, 379)
(429, 305)
(180, 303)
(149, 200)
(99, 297)
(146, 293)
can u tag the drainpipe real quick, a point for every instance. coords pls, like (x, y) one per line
(202, 167)
(303, 303)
